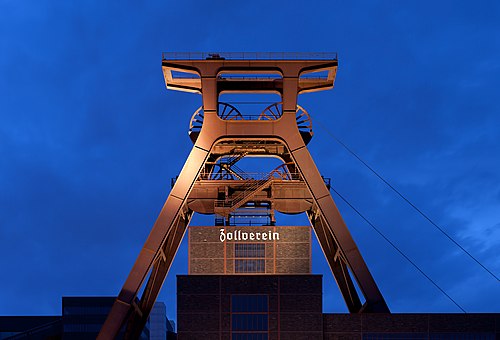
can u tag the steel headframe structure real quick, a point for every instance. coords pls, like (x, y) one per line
(209, 183)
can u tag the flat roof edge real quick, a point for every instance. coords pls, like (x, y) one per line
(249, 56)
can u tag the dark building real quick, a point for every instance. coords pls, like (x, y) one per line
(30, 327)
(241, 287)
(82, 319)
(249, 307)
(160, 328)
(371, 326)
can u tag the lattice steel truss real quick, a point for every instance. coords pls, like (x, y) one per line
(211, 183)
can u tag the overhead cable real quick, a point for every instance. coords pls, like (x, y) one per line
(396, 248)
(407, 200)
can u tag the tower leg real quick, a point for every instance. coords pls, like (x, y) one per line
(139, 316)
(167, 225)
(336, 262)
(340, 250)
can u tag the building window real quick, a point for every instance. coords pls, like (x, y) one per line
(249, 317)
(249, 258)
(249, 250)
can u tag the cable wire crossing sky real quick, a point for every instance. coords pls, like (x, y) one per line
(90, 139)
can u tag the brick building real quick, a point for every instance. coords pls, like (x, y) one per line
(249, 307)
(244, 285)
(249, 250)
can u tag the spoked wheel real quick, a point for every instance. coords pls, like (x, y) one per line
(229, 112)
(304, 122)
(195, 124)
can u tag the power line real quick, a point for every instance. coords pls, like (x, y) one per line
(406, 200)
(396, 248)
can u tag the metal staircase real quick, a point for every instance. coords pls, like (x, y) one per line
(226, 207)
(253, 187)
(230, 166)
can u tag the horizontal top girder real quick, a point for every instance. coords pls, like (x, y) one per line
(249, 55)
(240, 72)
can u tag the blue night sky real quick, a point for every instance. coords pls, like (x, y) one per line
(90, 137)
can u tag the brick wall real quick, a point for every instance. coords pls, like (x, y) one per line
(425, 326)
(204, 304)
(291, 254)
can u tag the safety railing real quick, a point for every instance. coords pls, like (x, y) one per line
(249, 55)
(256, 176)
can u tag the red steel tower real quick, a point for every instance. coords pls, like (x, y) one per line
(210, 182)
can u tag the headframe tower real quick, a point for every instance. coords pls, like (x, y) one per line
(209, 182)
